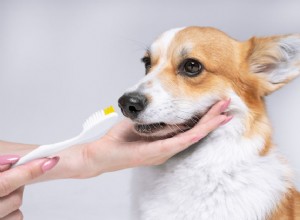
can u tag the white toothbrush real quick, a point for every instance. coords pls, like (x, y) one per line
(93, 127)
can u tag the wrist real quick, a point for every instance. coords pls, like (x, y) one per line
(68, 167)
(80, 162)
(72, 163)
(91, 164)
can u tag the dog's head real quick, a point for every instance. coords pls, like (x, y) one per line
(189, 69)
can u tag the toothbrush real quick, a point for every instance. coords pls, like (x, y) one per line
(93, 127)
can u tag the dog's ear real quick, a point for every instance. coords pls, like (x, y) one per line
(275, 60)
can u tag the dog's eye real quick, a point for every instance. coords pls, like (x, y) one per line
(190, 67)
(147, 62)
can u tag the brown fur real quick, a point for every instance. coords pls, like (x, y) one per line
(230, 64)
(289, 208)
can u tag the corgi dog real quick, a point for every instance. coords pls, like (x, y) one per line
(235, 173)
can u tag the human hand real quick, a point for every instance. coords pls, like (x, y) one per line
(122, 148)
(12, 183)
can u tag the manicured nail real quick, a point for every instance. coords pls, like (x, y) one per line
(49, 164)
(8, 159)
(225, 105)
(227, 120)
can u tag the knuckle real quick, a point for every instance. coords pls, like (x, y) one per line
(4, 186)
(154, 161)
(18, 215)
(164, 148)
(30, 173)
(160, 162)
(137, 161)
(182, 142)
(16, 201)
(201, 134)
(139, 157)
(202, 129)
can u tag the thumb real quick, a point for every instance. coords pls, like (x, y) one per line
(14, 178)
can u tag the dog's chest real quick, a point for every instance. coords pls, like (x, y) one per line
(205, 184)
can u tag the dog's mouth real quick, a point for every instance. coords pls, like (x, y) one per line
(149, 128)
(166, 129)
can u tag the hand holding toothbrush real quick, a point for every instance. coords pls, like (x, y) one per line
(121, 148)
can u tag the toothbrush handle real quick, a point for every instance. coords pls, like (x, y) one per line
(47, 150)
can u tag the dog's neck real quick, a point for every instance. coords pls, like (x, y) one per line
(232, 163)
(226, 168)
(246, 136)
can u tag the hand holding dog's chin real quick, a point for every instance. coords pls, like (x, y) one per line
(122, 148)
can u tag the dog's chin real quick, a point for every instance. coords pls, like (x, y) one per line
(164, 130)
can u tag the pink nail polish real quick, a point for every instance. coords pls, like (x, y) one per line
(8, 159)
(227, 120)
(49, 164)
(225, 105)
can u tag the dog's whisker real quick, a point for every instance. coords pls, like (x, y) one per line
(171, 128)
(179, 128)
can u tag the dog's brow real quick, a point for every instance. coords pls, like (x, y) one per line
(184, 52)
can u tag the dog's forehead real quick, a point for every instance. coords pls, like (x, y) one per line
(186, 39)
(161, 45)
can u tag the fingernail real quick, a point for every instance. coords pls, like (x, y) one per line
(49, 164)
(227, 120)
(225, 105)
(9, 159)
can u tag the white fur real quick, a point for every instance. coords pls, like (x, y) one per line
(198, 185)
(160, 49)
(162, 107)
(223, 177)
(161, 45)
(287, 65)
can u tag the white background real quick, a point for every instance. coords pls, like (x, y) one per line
(61, 60)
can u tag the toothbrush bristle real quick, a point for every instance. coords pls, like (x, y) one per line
(108, 110)
(94, 118)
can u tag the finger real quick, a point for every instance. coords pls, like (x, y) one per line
(217, 109)
(16, 215)
(182, 141)
(11, 202)
(202, 129)
(14, 178)
(4, 167)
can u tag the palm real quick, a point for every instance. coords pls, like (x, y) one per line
(120, 147)
(123, 132)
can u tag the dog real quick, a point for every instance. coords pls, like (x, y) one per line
(235, 172)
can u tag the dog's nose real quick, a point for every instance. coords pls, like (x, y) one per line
(132, 104)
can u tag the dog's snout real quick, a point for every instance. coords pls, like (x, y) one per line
(132, 104)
